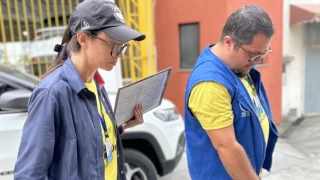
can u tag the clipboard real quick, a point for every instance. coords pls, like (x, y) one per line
(148, 92)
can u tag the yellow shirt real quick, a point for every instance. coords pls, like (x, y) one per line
(111, 169)
(210, 103)
(263, 118)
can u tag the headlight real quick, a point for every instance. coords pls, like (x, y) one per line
(167, 114)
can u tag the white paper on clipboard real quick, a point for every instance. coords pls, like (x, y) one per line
(148, 92)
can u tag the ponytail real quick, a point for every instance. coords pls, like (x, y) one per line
(63, 52)
(69, 44)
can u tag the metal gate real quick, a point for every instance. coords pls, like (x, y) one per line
(30, 28)
(140, 61)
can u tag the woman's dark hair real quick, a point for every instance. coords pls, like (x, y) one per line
(69, 44)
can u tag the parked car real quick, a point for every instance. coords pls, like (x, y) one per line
(152, 149)
(41, 48)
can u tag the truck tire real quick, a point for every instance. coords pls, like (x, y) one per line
(138, 166)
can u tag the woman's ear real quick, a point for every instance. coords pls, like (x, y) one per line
(82, 39)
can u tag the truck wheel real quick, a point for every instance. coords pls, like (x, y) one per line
(138, 166)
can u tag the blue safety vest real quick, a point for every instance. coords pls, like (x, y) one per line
(203, 159)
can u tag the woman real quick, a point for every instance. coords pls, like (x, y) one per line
(70, 132)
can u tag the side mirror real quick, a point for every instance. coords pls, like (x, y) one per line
(15, 100)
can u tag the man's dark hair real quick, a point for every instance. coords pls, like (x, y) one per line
(246, 22)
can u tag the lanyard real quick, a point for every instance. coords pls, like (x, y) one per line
(101, 118)
(248, 79)
(256, 100)
(103, 123)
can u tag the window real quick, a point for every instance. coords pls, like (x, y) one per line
(5, 88)
(13, 99)
(15, 73)
(189, 45)
(15, 90)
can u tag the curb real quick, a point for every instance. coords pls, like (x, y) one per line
(293, 124)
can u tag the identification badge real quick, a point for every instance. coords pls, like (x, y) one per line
(258, 104)
(260, 111)
(256, 101)
(109, 150)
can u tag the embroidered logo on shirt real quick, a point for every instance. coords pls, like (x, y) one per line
(244, 113)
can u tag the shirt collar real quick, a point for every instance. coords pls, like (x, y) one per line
(74, 78)
(99, 79)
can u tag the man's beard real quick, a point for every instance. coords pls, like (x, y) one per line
(240, 73)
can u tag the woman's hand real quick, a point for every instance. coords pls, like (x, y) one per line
(138, 113)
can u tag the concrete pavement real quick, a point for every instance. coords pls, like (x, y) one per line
(296, 157)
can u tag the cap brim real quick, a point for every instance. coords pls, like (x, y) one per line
(123, 33)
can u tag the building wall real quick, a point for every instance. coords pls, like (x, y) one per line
(294, 74)
(293, 45)
(212, 14)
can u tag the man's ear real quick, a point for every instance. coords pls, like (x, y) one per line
(228, 43)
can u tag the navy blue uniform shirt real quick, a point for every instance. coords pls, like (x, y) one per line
(62, 136)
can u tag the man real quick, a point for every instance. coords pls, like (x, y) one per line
(228, 121)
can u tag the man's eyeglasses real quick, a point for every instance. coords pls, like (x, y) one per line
(255, 57)
(116, 49)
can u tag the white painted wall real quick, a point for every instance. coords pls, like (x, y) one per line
(293, 39)
(113, 79)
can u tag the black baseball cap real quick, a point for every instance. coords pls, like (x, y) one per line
(102, 15)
